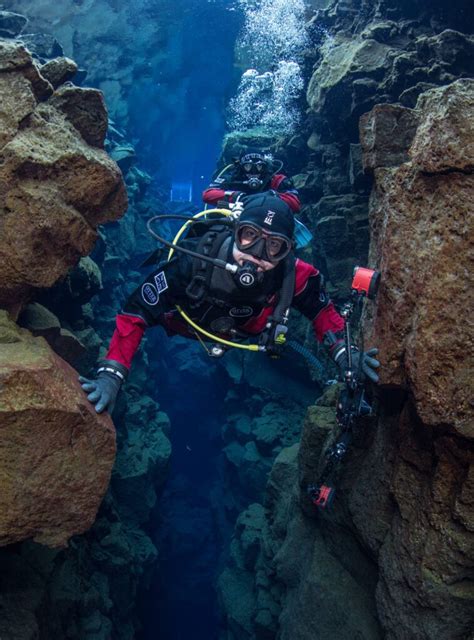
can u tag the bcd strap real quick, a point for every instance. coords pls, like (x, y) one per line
(274, 336)
(209, 245)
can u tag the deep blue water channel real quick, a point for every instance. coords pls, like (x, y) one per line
(179, 136)
(189, 527)
(179, 141)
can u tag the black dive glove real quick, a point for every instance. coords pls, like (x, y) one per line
(104, 389)
(362, 363)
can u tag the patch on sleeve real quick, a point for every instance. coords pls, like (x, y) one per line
(160, 281)
(150, 294)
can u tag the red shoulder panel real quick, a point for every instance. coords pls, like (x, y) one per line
(304, 271)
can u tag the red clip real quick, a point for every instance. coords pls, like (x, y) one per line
(324, 497)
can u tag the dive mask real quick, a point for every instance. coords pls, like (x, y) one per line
(252, 239)
(254, 167)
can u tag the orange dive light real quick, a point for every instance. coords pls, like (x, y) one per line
(366, 282)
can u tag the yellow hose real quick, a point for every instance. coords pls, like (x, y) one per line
(219, 175)
(224, 212)
(249, 347)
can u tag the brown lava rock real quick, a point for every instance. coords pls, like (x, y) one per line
(56, 453)
(55, 188)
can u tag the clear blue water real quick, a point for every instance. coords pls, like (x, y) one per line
(181, 141)
(182, 145)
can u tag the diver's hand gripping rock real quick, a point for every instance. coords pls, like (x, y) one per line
(102, 392)
(366, 367)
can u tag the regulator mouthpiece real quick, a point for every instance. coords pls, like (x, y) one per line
(248, 275)
(254, 183)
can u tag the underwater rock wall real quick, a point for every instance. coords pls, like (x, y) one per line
(365, 53)
(422, 228)
(286, 578)
(406, 491)
(392, 559)
(59, 185)
(94, 33)
(48, 221)
(56, 453)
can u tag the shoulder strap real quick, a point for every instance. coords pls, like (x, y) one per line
(209, 245)
(287, 290)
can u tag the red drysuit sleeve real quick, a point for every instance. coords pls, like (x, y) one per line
(126, 339)
(311, 299)
(212, 196)
(328, 319)
(285, 190)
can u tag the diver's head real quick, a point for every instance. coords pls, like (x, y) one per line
(264, 232)
(255, 167)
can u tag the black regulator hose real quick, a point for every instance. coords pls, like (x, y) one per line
(215, 261)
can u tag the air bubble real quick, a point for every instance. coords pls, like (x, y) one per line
(273, 38)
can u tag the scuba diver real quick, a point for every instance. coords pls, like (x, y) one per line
(253, 172)
(232, 280)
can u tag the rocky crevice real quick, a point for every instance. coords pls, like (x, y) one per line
(61, 460)
(392, 559)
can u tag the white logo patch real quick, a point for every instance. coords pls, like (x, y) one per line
(160, 281)
(269, 218)
(247, 279)
(150, 294)
(241, 312)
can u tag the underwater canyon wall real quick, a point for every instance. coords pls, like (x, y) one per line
(394, 557)
(61, 461)
(48, 222)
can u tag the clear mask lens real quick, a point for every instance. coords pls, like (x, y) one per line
(254, 167)
(248, 236)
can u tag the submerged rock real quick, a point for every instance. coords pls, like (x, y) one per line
(59, 70)
(11, 24)
(41, 322)
(344, 60)
(418, 471)
(86, 110)
(387, 133)
(124, 155)
(284, 580)
(56, 453)
(55, 187)
(42, 46)
(422, 228)
(444, 140)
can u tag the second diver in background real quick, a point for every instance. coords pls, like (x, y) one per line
(253, 172)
